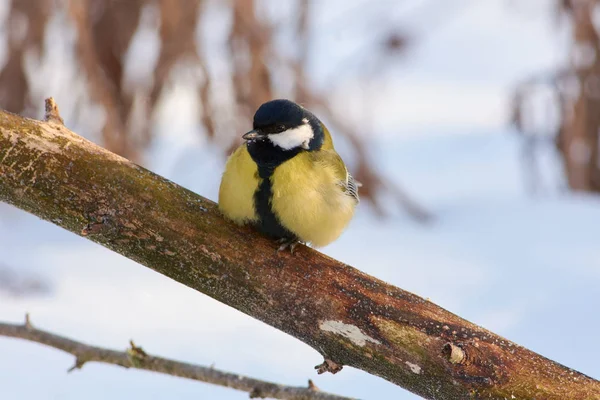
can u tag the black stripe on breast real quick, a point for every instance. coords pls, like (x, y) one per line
(269, 223)
(268, 158)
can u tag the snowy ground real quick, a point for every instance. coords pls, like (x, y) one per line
(526, 267)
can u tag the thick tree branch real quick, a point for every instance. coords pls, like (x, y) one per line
(136, 357)
(349, 317)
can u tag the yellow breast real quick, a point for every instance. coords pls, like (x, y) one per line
(238, 185)
(308, 201)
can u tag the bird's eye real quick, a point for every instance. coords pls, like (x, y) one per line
(280, 128)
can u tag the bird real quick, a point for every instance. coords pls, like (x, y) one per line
(286, 179)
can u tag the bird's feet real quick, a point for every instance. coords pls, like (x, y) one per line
(287, 242)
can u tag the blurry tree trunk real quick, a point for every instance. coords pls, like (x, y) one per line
(100, 69)
(350, 317)
(178, 22)
(112, 25)
(578, 138)
(33, 14)
(250, 50)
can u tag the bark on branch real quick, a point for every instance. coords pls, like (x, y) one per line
(349, 317)
(136, 357)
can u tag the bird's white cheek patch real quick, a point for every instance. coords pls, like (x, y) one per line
(292, 138)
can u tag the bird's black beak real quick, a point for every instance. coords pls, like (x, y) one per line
(253, 134)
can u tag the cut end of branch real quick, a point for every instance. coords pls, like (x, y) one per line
(52, 114)
(328, 366)
(453, 353)
(27, 324)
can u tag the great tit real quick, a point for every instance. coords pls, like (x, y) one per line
(287, 179)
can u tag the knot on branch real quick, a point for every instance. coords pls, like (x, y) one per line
(328, 366)
(453, 353)
(97, 226)
(476, 367)
(257, 393)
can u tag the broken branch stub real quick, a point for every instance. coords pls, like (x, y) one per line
(350, 317)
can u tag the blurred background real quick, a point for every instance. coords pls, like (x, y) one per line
(472, 124)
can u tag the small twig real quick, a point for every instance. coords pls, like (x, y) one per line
(78, 364)
(136, 357)
(27, 324)
(52, 114)
(328, 366)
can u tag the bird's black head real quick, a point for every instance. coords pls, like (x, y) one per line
(276, 116)
(286, 126)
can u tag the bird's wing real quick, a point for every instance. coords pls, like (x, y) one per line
(331, 159)
(352, 186)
